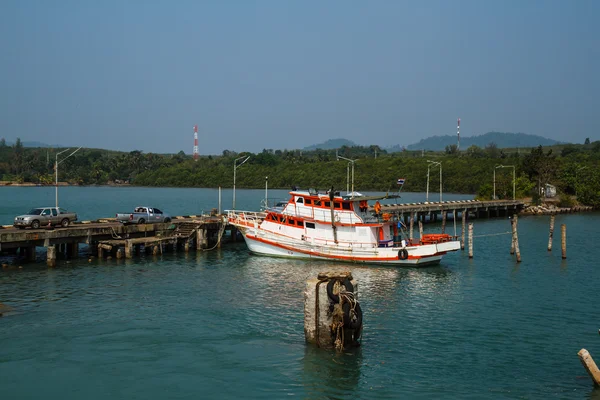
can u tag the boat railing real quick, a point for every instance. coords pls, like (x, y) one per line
(246, 216)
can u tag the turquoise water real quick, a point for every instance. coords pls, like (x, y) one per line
(227, 324)
(103, 201)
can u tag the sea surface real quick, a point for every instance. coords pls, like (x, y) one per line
(226, 324)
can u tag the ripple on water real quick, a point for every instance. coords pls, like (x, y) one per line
(228, 324)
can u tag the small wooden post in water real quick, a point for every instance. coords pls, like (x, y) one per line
(464, 222)
(551, 232)
(590, 366)
(420, 230)
(512, 238)
(516, 237)
(563, 241)
(444, 217)
(412, 223)
(471, 240)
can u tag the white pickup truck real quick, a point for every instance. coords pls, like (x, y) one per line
(144, 215)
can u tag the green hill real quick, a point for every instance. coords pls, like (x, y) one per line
(331, 144)
(501, 139)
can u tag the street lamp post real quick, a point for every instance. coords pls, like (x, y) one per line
(56, 162)
(504, 166)
(235, 165)
(266, 192)
(347, 173)
(430, 164)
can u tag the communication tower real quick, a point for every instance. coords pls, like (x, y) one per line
(196, 142)
(458, 134)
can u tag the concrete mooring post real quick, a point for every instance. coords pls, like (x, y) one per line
(563, 240)
(51, 256)
(590, 366)
(551, 232)
(516, 237)
(420, 230)
(332, 316)
(470, 240)
(412, 223)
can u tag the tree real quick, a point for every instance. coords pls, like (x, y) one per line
(2, 142)
(540, 166)
(452, 149)
(492, 150)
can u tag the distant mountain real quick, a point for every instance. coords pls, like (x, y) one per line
(501, 139)
(331, 144)
(34, 144)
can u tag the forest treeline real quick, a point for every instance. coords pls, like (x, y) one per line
(573, 169)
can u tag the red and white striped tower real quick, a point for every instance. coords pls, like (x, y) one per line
(196, 142)
(458, 134)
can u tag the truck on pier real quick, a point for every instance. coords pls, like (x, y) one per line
(43, 216)
(144, 215)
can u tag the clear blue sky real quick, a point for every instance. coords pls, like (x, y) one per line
(137, 74)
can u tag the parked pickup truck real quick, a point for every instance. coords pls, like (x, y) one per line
(37, 217)
(144, 215)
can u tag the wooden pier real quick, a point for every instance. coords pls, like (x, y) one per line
(431, 211)
(109, 238)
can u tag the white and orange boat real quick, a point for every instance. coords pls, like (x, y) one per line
(328, 226)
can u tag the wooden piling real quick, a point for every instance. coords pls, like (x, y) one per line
(464, 222)
(420, 230)
(563, 240)
(470, 240)
(516, 237)
(512, 238)
(551, 232)
(51, 256)
(201, 238)
(412, 223)
(444, 217)
(128, 249)
(590, 366)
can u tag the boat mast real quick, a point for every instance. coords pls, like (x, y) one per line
(332, 216)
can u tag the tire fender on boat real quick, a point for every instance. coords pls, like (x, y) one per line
(402, 254)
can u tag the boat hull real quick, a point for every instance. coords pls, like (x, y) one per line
(272, 246)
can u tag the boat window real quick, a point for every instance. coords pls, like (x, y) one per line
(345, 205)
(300, 200)
(282, 220)
(308, 201)
(299, 223)
(327, 204)
(310, 225)
(336, 204)
(318, 203)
